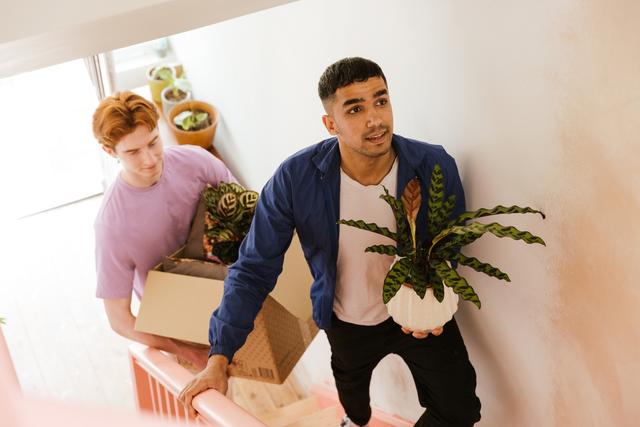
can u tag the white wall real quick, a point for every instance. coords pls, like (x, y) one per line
(539, 102)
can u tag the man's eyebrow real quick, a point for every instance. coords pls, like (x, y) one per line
(352, 101)
(155, 138)
(380, 93)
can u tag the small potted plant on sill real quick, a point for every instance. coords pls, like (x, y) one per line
(178, 91)
(159, 78)
(193, 122)
(422, 286)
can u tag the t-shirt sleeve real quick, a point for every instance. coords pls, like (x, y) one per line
(216, 170)
(114, 266)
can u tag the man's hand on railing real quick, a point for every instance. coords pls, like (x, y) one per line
(214, 376)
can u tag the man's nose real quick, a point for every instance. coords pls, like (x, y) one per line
(373, 119)
(147, 157)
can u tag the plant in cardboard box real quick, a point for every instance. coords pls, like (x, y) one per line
(422, 286)
(229, 212)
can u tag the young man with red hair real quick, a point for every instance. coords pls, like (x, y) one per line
(147, 212)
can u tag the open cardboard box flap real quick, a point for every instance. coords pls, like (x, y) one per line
(180, 307)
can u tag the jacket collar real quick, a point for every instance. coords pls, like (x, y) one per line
(327, 158)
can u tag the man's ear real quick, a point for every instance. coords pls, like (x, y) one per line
(330, 124)
(110, 151)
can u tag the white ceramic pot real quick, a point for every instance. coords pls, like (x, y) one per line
(168, 104)
(409, 311)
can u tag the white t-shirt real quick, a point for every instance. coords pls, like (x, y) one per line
(360, 276)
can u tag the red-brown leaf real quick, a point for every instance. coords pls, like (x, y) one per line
(411, 199)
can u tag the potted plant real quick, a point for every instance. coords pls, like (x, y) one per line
(229, 212)
(422, 287)
(176, 92)
(193, 122)
(159, 78)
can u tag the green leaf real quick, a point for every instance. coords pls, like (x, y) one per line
(498, 210)
(436, 284)
(447, 210)
(382, 249)
(418, 278)
(384, 231)
(2, 321)
(163, 73)
(396, 276)
(457, 241)
(497, 230)
(436, 200)
(456, 282)
(402, 227)
(479, 266)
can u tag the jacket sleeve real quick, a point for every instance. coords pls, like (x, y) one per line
(252, 277)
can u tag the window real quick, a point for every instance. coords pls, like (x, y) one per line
(49, 155)
(129, 65)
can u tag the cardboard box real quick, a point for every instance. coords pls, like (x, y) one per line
(180, 307)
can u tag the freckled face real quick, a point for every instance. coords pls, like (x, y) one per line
(141, 156)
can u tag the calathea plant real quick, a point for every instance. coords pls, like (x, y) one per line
(229, 211)
(428, 265)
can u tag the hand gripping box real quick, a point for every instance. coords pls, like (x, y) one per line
(180, 307)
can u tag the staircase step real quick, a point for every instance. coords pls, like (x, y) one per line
(327, 417)
(285, 415)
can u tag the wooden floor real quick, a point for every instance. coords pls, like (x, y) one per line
(56, 329)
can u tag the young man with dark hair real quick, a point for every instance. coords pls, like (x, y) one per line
(147, 212)
(342, 177)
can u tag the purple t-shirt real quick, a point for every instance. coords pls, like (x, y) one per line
(136, 227)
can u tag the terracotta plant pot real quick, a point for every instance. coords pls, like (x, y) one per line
(202, 137)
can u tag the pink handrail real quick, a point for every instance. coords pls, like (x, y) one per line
(158, 379)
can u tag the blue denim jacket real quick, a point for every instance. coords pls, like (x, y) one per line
(304, 195)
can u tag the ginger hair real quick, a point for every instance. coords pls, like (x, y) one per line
(120, 114)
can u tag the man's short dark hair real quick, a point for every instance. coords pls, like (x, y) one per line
(347, 71)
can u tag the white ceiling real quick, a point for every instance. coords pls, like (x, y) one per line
(38, 33)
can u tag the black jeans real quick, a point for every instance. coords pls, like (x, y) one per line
(444, 377)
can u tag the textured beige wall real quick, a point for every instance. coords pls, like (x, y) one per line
(575, 360)
(540, 104)
(596, 366)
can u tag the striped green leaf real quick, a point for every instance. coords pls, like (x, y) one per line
(396, 276)
(456, 282)
(418, 278)
(384, 231)
(402, 227)
(479, 266)
(497, 230)
(436, 284)
(382, 249)
(457, 241)
(447, 210)
(436, 200)
(498, 210)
